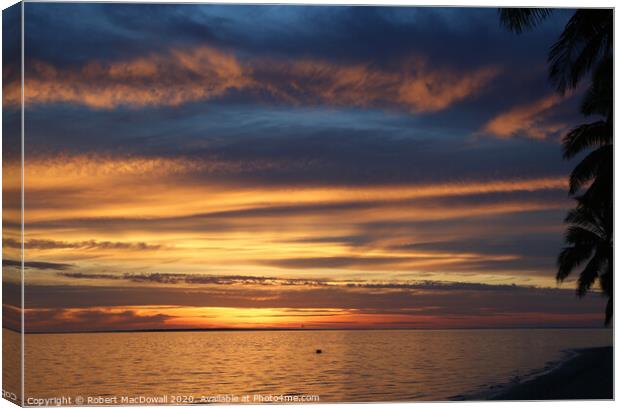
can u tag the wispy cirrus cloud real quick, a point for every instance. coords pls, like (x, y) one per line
(416, 86)
(202, 73)
(530, 120)
(169, 79)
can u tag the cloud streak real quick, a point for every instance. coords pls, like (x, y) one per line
(184, 75)
(228, 280)
(54, 266)
(529, 120)
(193, 279)
(421, 304)
(45, 244)
(76, 320)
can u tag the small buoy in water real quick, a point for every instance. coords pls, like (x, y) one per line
(319, 351)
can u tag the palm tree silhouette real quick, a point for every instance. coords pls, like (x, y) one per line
(590, 240)
(585, 46)
(587, 40)
(595, 171)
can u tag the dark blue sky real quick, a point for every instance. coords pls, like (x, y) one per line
(70, 36)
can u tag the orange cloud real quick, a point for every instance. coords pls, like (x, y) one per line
(86, 171)
(415, 86)
(99, 185)
(168, 79)
(101, 213)
(436, 90)
(526, 120)
(181, 76)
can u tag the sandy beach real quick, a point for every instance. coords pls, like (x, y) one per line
(588, 375)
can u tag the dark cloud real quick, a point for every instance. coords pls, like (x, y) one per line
(351, 240)
(11, 316)
(109, 31)
(335, 262)
(327, 297)
(350, 33)
(91, 244)
(193, 279)
(62, 320)
(11, 45)
(427, 299)
(539, 245)
(529, 265)
(54, 266)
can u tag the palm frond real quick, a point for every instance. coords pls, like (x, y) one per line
(585, 41)
(570, 258)
(588, 219)
(588, 275)
(581, 236)
(519, 20)
(598, 99)
(586, 136)
(589, 168)
(600, 193)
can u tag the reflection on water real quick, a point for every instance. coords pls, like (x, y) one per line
(11, 365)
(393, 365)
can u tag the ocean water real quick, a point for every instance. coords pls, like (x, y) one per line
(391, 365)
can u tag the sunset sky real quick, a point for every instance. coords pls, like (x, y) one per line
(196, 166)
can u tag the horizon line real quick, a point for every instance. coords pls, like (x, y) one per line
(249, 329)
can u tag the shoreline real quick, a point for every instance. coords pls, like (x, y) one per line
(585, 374)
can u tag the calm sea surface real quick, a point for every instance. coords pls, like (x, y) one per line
(396, 365)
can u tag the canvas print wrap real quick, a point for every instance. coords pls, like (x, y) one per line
(12, 216)
(306, 204)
